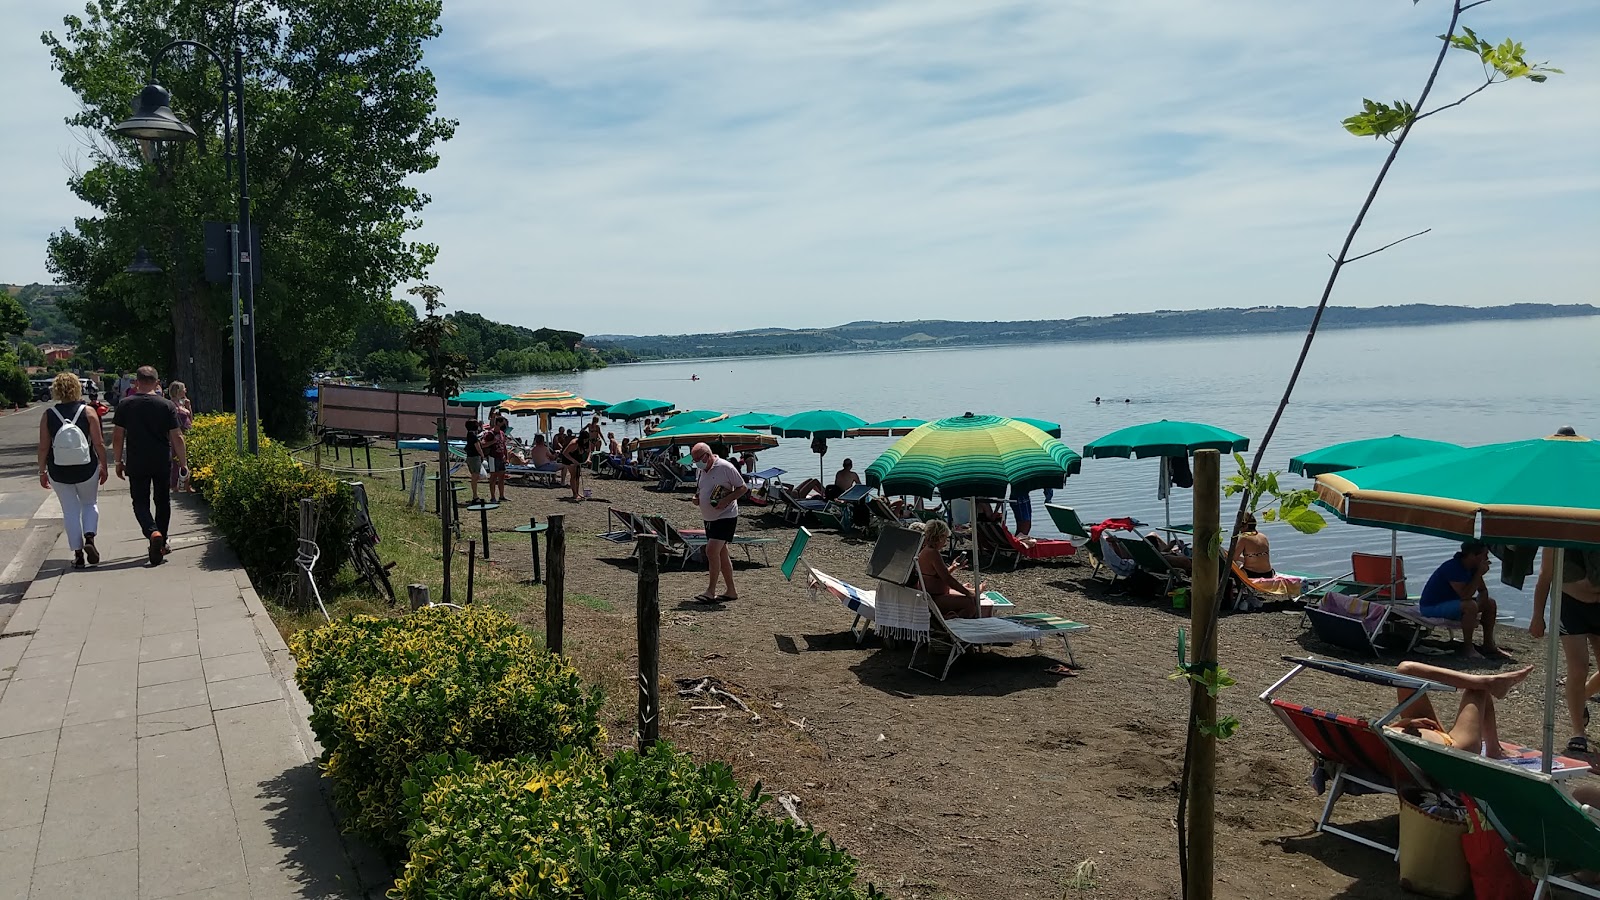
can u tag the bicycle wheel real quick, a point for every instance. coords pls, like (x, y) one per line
(375, 572)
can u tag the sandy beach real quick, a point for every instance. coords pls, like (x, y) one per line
(1002, 780)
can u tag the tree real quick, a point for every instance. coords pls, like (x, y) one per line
(29, 355)
(1392, 122)
(13, 318)
(340, 114)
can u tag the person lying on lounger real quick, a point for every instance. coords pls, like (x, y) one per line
(1474, 727)
(956, 599)
(1175, 552)
(843, 480)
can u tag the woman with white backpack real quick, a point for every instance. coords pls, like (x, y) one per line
(72, 459)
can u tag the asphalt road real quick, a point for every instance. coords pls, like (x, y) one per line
(30, 516)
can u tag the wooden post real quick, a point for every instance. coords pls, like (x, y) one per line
(366, 444)
(1202, 705)
(418, 594)
(472, 561)
(649, 623)
(308, 532)
(555, 584)
(402, 452)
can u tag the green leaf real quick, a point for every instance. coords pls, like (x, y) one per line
(1304, 519)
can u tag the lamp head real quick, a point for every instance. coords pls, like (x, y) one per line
(153, 120)
(142, 264)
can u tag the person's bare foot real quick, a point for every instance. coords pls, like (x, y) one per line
(1499, 685)
(1470, 652)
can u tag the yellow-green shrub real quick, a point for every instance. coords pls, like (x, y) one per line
(385, 693)
(630, 827)
(255, 502)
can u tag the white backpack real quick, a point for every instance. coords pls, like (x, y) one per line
(71, 446)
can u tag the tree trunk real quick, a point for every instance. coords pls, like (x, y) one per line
(202, 359)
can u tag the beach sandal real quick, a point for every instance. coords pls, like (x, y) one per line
(1067, 671)
(702, 597)
(724, 598)
(1578, 746)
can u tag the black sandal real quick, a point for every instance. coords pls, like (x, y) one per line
(703, 598)
(1578, 746)
(724, 598)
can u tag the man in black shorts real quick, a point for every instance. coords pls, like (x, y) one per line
(145, 440)
(717, 492)
(1579, 584)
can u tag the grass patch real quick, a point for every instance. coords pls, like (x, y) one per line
(599, 604)
(410, 539)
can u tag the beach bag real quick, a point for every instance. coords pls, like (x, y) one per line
(70, 447)
(1494, 877)
(1432, 862)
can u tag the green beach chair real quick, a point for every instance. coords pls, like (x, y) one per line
(797, 548)
(1544, 828)
(1067, 521)
(1149, 559)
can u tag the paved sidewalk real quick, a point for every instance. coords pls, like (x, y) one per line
(152, 742)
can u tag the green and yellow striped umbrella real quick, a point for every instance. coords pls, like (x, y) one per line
(973, 456)
(551, 401)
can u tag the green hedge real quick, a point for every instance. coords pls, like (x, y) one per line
(255, 503)
(385, 693)
(626, 828)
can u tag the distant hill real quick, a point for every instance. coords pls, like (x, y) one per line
(48, 323)
(923, 334)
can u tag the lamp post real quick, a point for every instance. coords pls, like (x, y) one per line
(153, 123)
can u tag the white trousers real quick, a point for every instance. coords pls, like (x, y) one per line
(80, 508)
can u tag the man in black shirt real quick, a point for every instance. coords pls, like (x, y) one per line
(147, 429)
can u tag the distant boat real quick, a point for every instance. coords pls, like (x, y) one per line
(694, 377)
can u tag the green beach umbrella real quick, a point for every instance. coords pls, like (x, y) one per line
(972, 456)
(710, 433)
(823, 423)
(1368, 452)
(1165, 438)
(819, 425)
(598, 404)
(479, 398)
(1051, 428)
(1543, 492)
(689, 417)
(887, 428)
(637, 408)
(758, 420)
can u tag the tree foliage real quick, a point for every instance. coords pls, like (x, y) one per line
(446, 368)
(13, 318)
(340, 114)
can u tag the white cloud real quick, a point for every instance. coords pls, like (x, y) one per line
(715, 164)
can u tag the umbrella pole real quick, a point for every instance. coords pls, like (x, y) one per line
(977, 563)
(1552, 661)
(1394, 567)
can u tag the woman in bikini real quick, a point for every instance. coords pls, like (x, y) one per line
(956, 599)
(1474, 727)
(1252, 552)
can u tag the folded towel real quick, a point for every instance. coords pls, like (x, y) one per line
(902, 612)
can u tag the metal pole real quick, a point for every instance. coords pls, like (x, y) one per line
(648, 620)
(245, 266)
(238, 376)
(555, 586)
(1202, 703)
(1552, 660)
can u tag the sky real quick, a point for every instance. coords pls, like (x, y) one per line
(713, 165)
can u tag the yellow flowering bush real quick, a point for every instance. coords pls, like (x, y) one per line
(255, 502)
(387, 692)
(631, 827)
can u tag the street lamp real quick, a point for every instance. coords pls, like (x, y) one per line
(154, 123)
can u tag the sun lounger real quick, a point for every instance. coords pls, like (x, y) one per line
(690, 543)
(1351, 750)
(1149, 559)
(912, 614)
(884, 516)
(1370, 575)
(1544, 828)
(856, 600)
(670, 476)
(1344, 621)
(548, 474)
(999, 538)
(623, 527)
(795, 511)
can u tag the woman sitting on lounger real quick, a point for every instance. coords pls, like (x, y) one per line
(1253, 553)
(1474, 727)
(955, 598)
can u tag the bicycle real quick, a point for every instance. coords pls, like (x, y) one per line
(364, 549)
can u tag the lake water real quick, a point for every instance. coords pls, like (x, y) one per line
(1470, 384)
